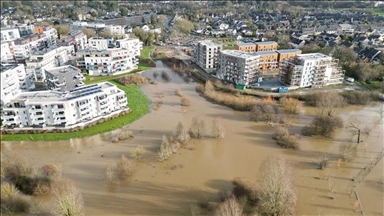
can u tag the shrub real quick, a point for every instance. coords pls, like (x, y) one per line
(67, 199)
(229, 207)
(197, 128)
(110, 174)
(133, 79)
(326, 125)
(179, 129)
(165, 149)
(291, 105)
(218, 129)
(264, 111)
(124, 168)
(52, 171)
(347, 151)
(185, 101)
(183, 137)
(179, 93)
(8, 191)
(165, 76)
(157, 105)
(323, 162)
(357, 97)
(290, 141)
(125, 134)
(137, 153)
(14, 206)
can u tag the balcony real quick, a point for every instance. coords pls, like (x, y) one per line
(38, 121)
(53, 79)
(59, 120)
(56, 108)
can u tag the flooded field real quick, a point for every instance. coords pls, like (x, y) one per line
(207, 166)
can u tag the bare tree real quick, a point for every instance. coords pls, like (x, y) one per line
(277, 195)
(292, 105)
(328, 102)
(347, 151)
(68, 200)
(356, 129)
(197, 128)
(229, 207)
(137, 153)
(218, 129)
(124, 168)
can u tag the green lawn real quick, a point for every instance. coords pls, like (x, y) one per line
(374, 86)
(145, 52)
(378, 12)
(137, 101)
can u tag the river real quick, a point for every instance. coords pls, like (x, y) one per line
(207, 166)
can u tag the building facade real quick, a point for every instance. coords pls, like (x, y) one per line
(97, 43)
(79, 37)
(268, 61)
(266, 46)
(246, 47)
(53, 108)
(24, 46)
(207, 55)
(134, 45)
(9, 34)
(238, 67)
(106, 62)
(286, 54)
(14, 79)
(7, 55)
(311, 70)
(64, 78)
(46, 58)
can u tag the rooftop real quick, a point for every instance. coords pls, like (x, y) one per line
(239, 54)
(209, 43)
(45, 50)
(52, 96)
(245, 44)
(312, 56)
(5, 67)
(288, 50)
(266, 43)
(63, 70)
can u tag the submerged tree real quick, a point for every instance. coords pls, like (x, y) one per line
(277, 195)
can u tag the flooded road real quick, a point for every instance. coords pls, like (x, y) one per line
(207, 166)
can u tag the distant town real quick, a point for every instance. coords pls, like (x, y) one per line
(49, 48)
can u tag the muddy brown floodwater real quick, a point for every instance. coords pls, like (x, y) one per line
(208, 166)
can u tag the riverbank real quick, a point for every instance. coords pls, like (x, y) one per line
(138, 103)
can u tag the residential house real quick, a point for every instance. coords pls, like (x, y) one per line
(245, 47)
(266, 46)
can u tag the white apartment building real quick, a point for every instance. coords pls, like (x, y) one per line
(6, 52)
(106, 62)
(207, 54)
(97, 43)
(79, 37)
(24, 46)
(9, 34)
(51, 34)
(14, 79)
(311, 70)
(115, 29)
(238, 67)
(47, 58)
(134, 45)
(53, 108)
